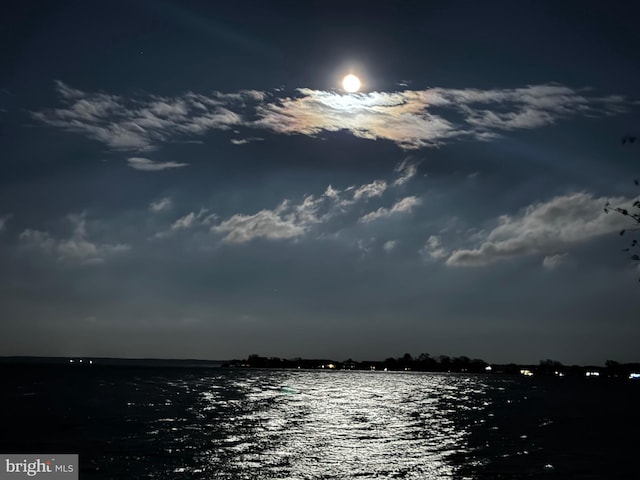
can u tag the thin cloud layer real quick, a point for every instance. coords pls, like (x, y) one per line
(161, 205)
(412, 119)
(389, 246)
(139, 124)
(543, 228)
(291, 220)
(369, 190)
(551, 262)
(404, 205)
(407, 169)
(193, 219)
(433, 248)
(189, 221)
(287, 221)
(76, 248)
(3, 221)
(147, 165)
(407, 118)
(268, 224)
(388, 116)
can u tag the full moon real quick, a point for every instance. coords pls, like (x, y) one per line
(351, 83)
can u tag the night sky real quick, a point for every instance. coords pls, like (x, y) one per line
(189, 179)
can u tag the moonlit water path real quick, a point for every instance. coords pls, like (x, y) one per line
(303, 425)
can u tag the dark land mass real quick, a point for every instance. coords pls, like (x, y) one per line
(444, 363)
(422, 363)
(111, 362)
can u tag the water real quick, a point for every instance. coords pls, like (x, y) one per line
(129, 423)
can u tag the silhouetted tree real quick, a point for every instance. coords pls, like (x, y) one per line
(391, 363)
(424, 357)
(425, 362)
(406, 361)
(445, 362)
(633, 214)
(550, 363)
(256, 360)
(477, 365)
(549, 366)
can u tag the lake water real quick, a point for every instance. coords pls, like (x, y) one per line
(175, 423)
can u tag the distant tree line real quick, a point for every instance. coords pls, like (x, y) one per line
(423, 363)
(442, 363)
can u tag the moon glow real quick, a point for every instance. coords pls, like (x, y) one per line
(351, 83)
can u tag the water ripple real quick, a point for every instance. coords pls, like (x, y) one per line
(320, 425)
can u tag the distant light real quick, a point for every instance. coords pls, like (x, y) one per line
(634, 376)
(331, 365)
(558, 374)
(592, 374)
(71, 360)
(488, 368)
(91, 362)
(80, 360)
(526, 372)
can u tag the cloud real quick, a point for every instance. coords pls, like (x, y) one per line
(3, 221)
(331, 192)
(543, 228)
(191, 220)
(140, 123)
(551, 262)
(408, 117)
(433, 248)
(76, 248)
(401, 206)
(194, 219)
(288, 220)
(375, 115)
(161, 205)
(268, 224)
(366, 246)
(389, 246)
(407, 170)
(373, 189)
(412, 119)
(291, 220)
(147, 165)
(69, 93)
(294, 219)
(184, 222)
(243, 141)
